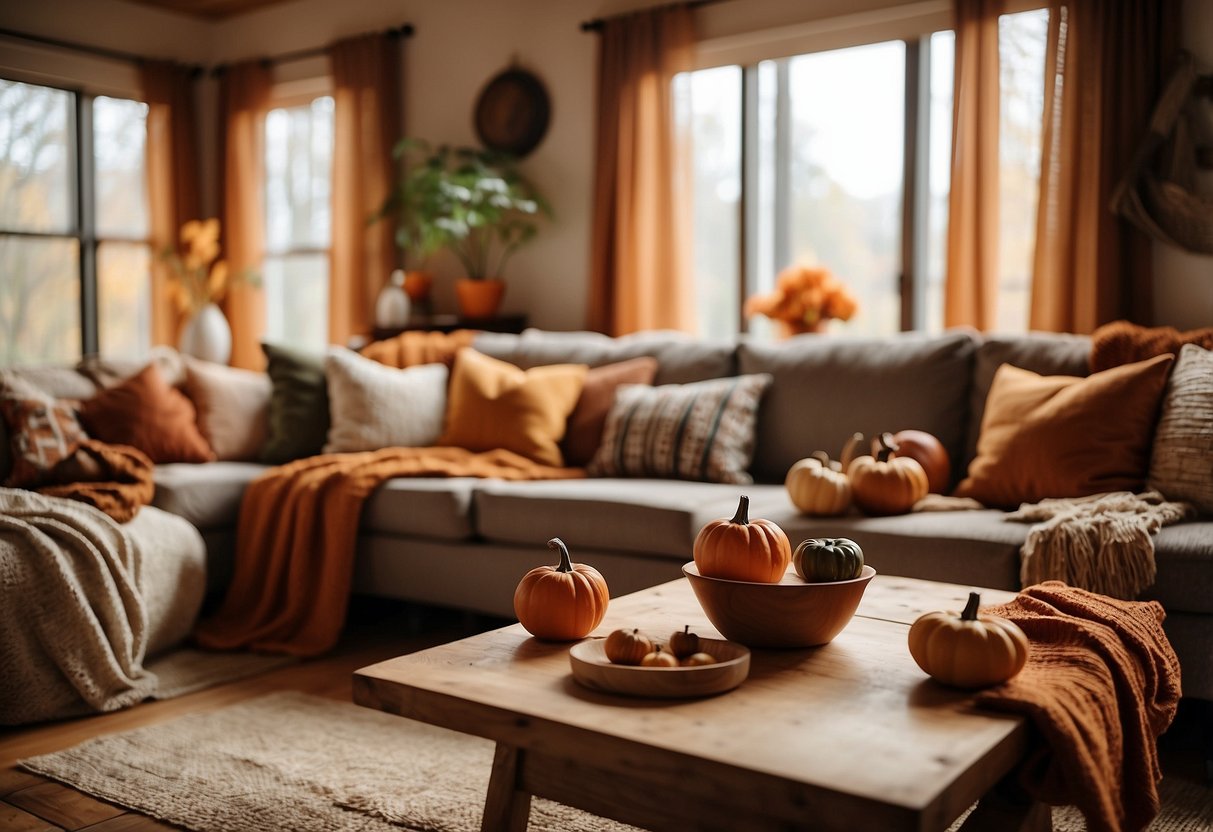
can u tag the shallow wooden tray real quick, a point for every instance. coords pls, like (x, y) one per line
(592, 669)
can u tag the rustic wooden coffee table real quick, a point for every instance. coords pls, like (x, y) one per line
(847, 736)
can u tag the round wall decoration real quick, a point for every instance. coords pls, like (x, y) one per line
(512, 112)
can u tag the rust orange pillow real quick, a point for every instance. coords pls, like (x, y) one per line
(1066, 436)
(493, 404)
(588, 418)
(145, 413)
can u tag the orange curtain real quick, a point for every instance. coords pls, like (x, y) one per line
(172, 178)
(641, 239)
(244, 95)
(367, 105)
(971, 285)
(1105, 66)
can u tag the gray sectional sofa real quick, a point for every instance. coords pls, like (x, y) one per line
(464, 543)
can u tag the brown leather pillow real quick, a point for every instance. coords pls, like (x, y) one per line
(145, 413)
(588, 418)
(493, 404)
(1065, 436)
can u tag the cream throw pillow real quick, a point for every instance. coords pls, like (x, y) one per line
(372, 406)
(233, 407)
(1181, 466)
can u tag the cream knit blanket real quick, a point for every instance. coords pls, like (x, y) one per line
(1102, 543)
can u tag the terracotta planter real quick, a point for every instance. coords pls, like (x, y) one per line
(479, 298)
(789, 328)
(417, 286)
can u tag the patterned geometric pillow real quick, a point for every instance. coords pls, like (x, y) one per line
(43, 430)
(1181, 466)
(699, 431)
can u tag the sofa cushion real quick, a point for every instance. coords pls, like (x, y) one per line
(207, 495)
(373, 406)
(233, 407)
(1184, 555)
(588, 419)
(828, 388)
(421, 507)
(41, 430)
(681, 358)
(1044, 353)
(1181, 465)
(299, 404)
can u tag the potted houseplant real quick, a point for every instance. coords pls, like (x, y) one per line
(471, 201)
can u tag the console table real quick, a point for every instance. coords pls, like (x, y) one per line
(449, 323)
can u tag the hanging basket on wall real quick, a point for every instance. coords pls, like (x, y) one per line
(1167, 206)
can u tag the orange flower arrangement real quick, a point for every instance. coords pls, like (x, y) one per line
(805, 297)
(198, 278)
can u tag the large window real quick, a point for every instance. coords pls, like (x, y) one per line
(74, 253)
(299, 152)
(822, 179)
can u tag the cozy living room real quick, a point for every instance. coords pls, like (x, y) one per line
(606, 414)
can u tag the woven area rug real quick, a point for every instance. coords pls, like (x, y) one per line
(289, 761)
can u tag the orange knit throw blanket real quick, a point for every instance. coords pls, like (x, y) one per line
(114, 478)
(1101, 684)
(1121, 342)
(409, 349)
(296, 539)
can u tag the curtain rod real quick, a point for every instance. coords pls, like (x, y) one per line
(405, 30)
(596, 24)
(100, 51)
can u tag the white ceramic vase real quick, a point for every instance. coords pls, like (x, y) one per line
(207, 336)
(392, 307)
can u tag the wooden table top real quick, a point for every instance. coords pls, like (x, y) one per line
(852, 732)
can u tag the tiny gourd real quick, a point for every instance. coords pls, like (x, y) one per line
(886, 484)
(684, 643)
(827, 559)
(968, 650)
(563, 602)
(929, 453)
(742, 549)
(697, 660)
(627, 646)
(659, 658)
(816, 487)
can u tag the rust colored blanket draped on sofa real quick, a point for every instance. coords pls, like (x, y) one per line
(297, 537)
(1101, 684)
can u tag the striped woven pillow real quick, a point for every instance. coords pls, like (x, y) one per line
(700, 431)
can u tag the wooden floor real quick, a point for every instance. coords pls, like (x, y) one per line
(378, 630)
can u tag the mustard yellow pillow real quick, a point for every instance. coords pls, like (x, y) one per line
(493, 404)
(1066, 436)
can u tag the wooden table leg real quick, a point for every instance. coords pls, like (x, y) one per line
(1008, 809)
(506, 807)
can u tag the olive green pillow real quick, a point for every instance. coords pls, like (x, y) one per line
(299, 404)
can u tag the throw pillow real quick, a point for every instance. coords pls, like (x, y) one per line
(698, 431)
(232, 405)
(43, 430)
(1064, 436)
(299, 405)
(586, 422)
(1182, 464)
(145, 413)
(494, 405)
(372, 406)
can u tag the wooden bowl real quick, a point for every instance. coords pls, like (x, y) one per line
(791, 613)
(593, 669)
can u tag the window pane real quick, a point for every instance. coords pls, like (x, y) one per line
(39, 300)
(939, 180)
(124, 299)
(298, 155)
(1021, 53)
(296, 299)
(37, 187)
(119, 134)
(845, 173)
(715, 120)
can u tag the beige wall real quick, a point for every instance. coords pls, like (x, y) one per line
(459, 45)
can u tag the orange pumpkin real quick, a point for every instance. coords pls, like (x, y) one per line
(563, 602)
(930, 454)
(627, 646)
(968, 650)
(742, 549)
(887, 484)
(816, 486)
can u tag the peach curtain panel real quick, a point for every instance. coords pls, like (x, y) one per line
(172, 178)
(971, 285)
(367, 113)
(244, 96)
(640, 250)
(1106, 64)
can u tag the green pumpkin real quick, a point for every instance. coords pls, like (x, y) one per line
(828, 559)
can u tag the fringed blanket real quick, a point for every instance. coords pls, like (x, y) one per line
(1102, 543)
(297, 534)
(1101, 684)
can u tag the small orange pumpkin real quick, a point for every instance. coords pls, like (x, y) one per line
(659, 658)
(968, 650)
(888, 484)
(931, 455)
(816, 486)
(563, 602)
(627, 646)
(742, 549)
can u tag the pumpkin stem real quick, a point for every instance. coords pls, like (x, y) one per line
(566, 562)
(970, 610)
(851, 449)
(887, 447)
(742, 517)
(822, 457)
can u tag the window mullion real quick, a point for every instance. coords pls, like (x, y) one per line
(86, 224)
(915, 184)
(783, 165)
(749, 203)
